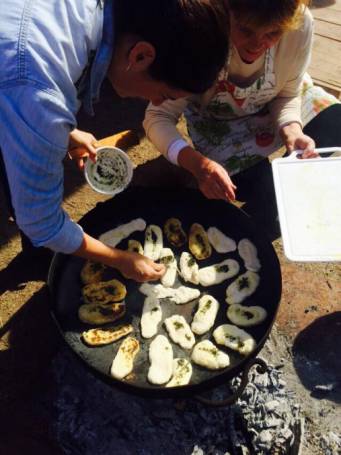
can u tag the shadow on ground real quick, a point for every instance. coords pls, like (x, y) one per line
(32, 341)
(24, 268)
(316, 357)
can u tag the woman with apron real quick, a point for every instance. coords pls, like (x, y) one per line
(262, 100)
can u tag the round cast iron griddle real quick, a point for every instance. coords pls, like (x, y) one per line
(155, 206)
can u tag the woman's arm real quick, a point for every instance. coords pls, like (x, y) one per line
(160, 125)
(294, 53)
(213, 180)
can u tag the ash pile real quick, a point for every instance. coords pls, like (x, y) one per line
(271, 419)
(91, 417)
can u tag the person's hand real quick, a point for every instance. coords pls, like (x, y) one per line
(82, 145)
(213, 180)
(295, 139)
(132, 265)
(139, 268)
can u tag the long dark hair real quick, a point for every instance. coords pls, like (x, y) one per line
(191, 38)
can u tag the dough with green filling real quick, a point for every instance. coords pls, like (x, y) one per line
(100, 337)
(135, 246)
(242, 287)
(246, 316)
(205, 315)
(94, 313)
(161, 360)
(92, 272)
(198, 242)
(153, 242)
(180, 295)
(207, 355)
(123, 362)
(189, 268)
(176, 236)
(234, 338)
(104, 292)
(151, 316)
(217, 273)
(179, 331)
(167, 258)
(182, 373)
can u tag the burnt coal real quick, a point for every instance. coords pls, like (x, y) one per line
(93, 418)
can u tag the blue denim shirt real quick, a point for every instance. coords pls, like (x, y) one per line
(45, 48)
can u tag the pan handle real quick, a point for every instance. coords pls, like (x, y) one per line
(261, 368)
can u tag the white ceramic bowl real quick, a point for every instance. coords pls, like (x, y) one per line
(112, 171)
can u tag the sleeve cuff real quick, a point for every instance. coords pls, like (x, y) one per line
(174, 149)
(67, 240)
(289, 122)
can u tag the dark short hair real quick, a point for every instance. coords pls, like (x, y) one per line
(191, 38)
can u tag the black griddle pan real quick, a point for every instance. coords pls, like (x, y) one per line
(155, 206)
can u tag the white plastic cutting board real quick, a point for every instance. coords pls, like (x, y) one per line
(308, 193)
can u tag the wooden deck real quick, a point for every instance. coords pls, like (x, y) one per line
(325, 67)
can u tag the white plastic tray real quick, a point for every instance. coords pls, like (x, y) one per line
(308, 193)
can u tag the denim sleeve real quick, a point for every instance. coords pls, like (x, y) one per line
(34, 134)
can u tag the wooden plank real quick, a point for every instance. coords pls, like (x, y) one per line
(325, 67)
(328, 30)
(330, 13)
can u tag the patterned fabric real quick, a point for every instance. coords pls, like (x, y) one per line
(238, 142)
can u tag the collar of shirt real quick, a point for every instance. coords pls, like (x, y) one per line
(101, 61)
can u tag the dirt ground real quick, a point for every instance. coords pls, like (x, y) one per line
(306, 336)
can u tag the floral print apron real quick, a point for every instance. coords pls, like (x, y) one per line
(235, 128)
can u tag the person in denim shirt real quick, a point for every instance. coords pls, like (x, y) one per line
(54, 56)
